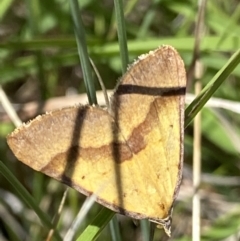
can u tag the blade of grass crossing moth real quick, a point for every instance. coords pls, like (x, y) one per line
(107, 214)
(82, 49)
(211, 87)
(122, 39)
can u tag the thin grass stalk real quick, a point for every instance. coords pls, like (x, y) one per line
(197, 67)
(57, 215)
(196, 203)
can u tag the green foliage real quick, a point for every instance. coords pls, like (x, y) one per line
(39, 60)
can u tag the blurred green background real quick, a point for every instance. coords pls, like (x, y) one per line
(39, 61)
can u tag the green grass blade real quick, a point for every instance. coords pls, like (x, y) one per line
(114, 229)
(94, 229)
(210, 88)
(83, 53)
(122, 37)
(209, 43)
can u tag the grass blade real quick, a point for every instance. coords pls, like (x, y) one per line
(210, 88)
(83, 53)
